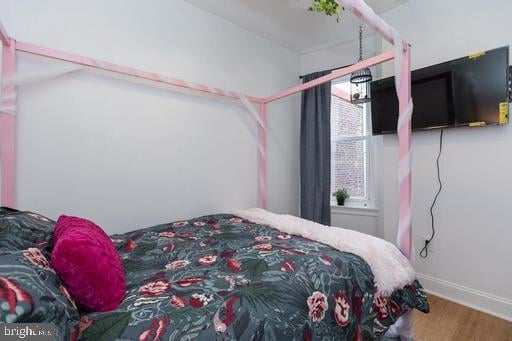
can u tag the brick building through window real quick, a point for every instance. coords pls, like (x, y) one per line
(349, 146)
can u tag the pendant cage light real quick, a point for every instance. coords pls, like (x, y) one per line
(360, 79)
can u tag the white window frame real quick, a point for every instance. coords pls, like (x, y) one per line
(369, 164)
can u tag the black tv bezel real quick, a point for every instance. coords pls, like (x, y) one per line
(427, 72)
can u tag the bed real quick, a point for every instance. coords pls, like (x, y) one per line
(226, 284)
(218, 277)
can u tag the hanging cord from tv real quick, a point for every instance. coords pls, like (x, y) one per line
(424, 251)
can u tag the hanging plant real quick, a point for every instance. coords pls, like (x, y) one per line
(329, 7)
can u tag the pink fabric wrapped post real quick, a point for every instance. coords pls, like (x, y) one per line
(88, 264)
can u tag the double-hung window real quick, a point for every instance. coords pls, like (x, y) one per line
(351, 145)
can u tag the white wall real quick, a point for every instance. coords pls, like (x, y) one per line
(471, 258)
(336, 55)
(129, 155)
(362, 219)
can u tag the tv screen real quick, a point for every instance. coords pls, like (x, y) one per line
(467, 91)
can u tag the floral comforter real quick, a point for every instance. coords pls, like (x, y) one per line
(220, 277)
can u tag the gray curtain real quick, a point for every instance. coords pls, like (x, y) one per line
(315, 151)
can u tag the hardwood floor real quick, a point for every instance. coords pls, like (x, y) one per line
(448, 321)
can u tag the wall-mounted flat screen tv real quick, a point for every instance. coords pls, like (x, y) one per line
(469, 91)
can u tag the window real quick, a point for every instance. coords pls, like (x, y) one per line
(350, 146)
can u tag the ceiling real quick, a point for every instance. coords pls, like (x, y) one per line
(289, 24)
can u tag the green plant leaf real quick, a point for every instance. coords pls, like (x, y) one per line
(131, 265)
(329, 7)
(259, 334)
(227, 227)
(228, 235)
(142, 249)
(220, 284)
(108, 328)
(256, 267)
(240, 325)
(267, 294)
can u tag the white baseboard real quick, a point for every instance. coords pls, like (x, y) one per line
(494, 305)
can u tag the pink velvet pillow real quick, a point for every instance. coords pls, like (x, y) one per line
(88, 264)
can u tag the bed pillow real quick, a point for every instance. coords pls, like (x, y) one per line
(7, 210)
(88, 264)
(31, 292)
(22, 230)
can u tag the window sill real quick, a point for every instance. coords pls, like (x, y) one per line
(355, 210)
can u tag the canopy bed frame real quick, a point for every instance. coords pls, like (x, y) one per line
(401, 55)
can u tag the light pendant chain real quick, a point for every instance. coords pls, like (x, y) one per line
(360, 43)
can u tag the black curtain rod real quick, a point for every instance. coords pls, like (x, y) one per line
(337, 68)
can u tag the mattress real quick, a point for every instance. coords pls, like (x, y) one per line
(220, 277)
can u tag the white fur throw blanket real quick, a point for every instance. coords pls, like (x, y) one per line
(389, 266)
